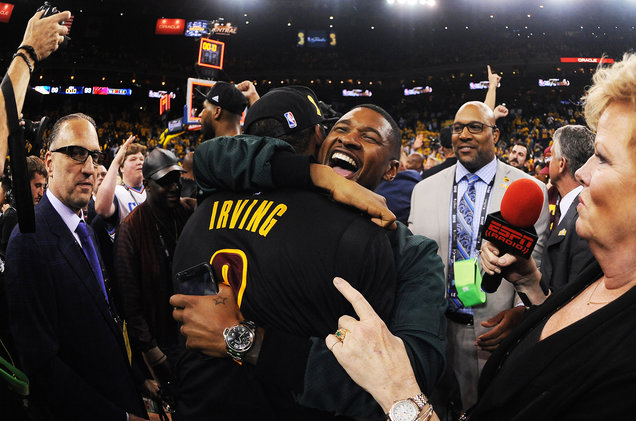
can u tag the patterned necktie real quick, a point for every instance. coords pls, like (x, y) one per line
(91, 254)
(465, 214)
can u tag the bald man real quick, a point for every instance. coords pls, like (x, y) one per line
(439, 211)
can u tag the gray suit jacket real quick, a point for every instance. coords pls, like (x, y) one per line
(430, 214)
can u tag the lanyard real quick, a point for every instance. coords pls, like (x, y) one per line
(482, 219)
(130, 193)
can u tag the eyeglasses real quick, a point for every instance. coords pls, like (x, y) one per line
(81, 154)
(474, 127)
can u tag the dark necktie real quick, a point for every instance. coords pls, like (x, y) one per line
(91, 255)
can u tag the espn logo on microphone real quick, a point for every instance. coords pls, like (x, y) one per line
(509, 239)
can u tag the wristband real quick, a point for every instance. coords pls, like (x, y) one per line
(30, 51)
(26, 60)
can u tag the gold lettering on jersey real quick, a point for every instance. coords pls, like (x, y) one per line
(225, 211)
(254, 202)
(237, 212)
(260, 216)
(270, 221)
(213, 218)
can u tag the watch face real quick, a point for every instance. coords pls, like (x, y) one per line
(405, 410)
(239, 338)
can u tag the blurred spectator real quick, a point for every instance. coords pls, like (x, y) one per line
(415, 161)
(36, 171)
(518, 156)
(445, 139)
(100, 173)
(541, 171)
(189, 186)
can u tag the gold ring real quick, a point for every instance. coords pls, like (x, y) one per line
(340, 334)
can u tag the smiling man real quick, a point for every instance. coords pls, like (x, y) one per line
(360, 144)
(144, 248)
(68, 336)
(450, 208)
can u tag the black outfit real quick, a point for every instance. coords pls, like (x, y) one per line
(449, 162)
(8, 221)
(290, 256)
(106, 251)
(11, 401)
(144, 247)
(565, 252)
(281, 268)
(586, 371)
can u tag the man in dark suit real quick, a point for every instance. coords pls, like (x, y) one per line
(68, 336)
(566, 253)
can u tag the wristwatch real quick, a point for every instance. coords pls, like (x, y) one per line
(239, 339)
(407, 409)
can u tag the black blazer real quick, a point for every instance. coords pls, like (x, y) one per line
(586, 371)
(565, 254)
(68, 342)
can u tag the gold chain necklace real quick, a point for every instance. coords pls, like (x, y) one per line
(589, 300)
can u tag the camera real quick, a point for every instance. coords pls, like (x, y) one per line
(50, 10)
(33, 132)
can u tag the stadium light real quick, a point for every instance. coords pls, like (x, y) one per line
(429, 3)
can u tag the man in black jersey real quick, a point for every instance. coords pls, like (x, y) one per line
(279, 252)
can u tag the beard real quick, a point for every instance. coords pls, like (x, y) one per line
(207, 129)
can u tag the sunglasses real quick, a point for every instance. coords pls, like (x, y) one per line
(169, 179)
(81, 154)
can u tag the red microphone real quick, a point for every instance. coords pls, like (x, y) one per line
(511, 230)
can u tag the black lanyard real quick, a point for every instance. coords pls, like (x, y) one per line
(482, 218)
(130, 193)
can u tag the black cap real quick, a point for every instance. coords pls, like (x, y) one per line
(158, 163)
(296, 107)
(228, 97)
(445, 138)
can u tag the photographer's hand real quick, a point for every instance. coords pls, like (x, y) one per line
(45, 35)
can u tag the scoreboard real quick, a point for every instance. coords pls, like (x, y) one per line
(211, 53)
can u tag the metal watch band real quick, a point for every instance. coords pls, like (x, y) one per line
(420, 400)
(236, 355)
